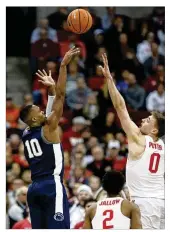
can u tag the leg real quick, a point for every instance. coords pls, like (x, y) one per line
(36, 213)
(57, 213)
(151, 212)
(37, 218)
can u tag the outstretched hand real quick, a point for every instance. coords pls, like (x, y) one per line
(105, 69)
(46, 79)
(68, 56)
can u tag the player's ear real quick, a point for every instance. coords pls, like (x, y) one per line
(34, 119)
(154, 131)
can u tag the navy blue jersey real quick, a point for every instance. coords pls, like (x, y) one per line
(44, 158)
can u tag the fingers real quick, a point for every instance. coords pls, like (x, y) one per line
(42, 74)
(102, 69)
(45, 72)
(105, 57)
(104, 61)
(41, 77)
(43, 82)
(50, 73)
(72, 49)
(75, 52)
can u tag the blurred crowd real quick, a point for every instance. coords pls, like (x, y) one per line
(91, 134)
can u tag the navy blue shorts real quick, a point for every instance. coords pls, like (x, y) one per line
(48, 204)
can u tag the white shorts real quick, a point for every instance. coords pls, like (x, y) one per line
(152, 212)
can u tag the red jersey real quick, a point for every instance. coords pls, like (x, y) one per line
(24, 224)
(70, 139)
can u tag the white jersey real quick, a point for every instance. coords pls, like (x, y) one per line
(145, 177)
(109, 216)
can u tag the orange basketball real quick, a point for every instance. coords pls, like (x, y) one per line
(79, 21)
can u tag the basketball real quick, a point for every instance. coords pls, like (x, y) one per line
(79, 21)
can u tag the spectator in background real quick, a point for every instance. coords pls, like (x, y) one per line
(121, 137)
(28, 99)
(124, 47)
(26, 176)
(23, 224)
(18, 211)
(95, 185)
(112, 35)
(109, 125)
(156, 99)
(135, 95)
(15, 170)
(115, 155)
(144, 48)
(72, 136)
(14, 143)
(150, 83)
(78, 176)
(73, 40)
(109, 17)
(122, 84)
(91, 108)
(57, 18)
(51, 33)
(99, 38)
(100, 165)
(153, 60)
(97, 60)
(161, 37)
(17, 183)
(77, 98)
(38, 88)
(77, 211)
(42, 50)
(144, 30)
(87, 205)
(72, 76)
(160, 73)
(77, 160)
(132, 34)
(12, 113)
(92, 142)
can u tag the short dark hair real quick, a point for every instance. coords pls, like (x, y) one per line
(113, 182)
(89, 200)
(160, 119)
(25, 112)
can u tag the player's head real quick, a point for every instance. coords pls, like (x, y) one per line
(88, 203)
(32, 116)
(113, 182)
(153, 125)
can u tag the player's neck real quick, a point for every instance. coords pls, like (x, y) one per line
(35, 125)
(113, 195)
(155, 138)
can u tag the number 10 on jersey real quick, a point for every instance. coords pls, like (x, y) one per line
(33, 148)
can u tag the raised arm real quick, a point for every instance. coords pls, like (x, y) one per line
(51, 96)
(60, 86)
(128, 125)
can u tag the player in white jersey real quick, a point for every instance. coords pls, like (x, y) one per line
(113, 212)
(145, 165)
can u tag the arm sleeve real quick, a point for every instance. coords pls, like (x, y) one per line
(49, 105)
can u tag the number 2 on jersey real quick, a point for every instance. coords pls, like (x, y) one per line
(109, 213)
(33, 148)
(154, 162)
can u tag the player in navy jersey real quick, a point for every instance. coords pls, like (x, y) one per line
(47, 198)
